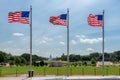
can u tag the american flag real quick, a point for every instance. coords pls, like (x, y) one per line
(95, 20)
(59, 20)
(19, 16)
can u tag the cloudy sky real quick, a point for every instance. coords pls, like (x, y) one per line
(51, 39)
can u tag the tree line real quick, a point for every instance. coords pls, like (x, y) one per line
(24, 59)
(113, 57)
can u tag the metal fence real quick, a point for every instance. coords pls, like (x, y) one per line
(83, 71)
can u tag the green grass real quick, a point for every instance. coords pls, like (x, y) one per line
(13, 70)
(82, 70)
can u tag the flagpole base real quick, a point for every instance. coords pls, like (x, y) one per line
(30, 73)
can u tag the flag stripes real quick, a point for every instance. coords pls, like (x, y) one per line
(17, 17)
(59, 20)
(95, 20)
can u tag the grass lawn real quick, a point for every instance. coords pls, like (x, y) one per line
(82, 70)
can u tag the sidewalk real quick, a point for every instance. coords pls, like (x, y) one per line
(11, 78)
(64, 78)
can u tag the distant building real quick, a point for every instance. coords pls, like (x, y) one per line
(56, 64)
(50, 58)
(99, 63)
(5, 64)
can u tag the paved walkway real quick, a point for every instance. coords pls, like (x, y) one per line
(64, 78)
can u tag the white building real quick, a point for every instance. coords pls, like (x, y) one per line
(99, 63)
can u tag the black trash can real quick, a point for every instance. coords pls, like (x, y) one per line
(31, 73)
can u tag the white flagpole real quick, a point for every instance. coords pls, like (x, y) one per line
(68, 66)
(31, 71)
(103, 46)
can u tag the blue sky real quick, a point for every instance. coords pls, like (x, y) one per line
(51, 39)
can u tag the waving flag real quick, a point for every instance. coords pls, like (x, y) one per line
(95, 20)
(20, 16)
(59, 20)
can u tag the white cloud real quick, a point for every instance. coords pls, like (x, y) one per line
(77, 36)
(47, 39)
(27, 38)
(89, 49)
(62, 43)
(108, 51)
(18, 34)
(80, 36)
(73, 42)
(15, 51)
(60, 36)
(8, 42)
(90, 41)
(84, 39)
(44, 40)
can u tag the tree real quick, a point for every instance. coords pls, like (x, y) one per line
(35, 58)
(107, 56)
(84, 63)
(23, 61)
(64, 57)
(2, 58)
(74, 64)
(12, 60)
(114, 60)
(42, 63)
(74, 58)
(95, 55)
(85, 58)
(117, 54)
(17, 60)
(93, 61)
(26, 56)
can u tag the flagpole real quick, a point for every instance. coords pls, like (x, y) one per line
(68, 66)
(103, 46)
(30, 71)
